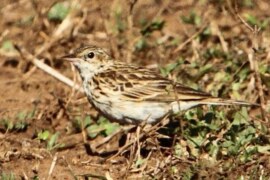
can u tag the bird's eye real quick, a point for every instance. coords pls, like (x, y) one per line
(90, 55)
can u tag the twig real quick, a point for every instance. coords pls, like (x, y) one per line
(56, 74)
(48, 69)
(190, 38)
(4, 34)
(146, 133)
(216, 30)
(108, 138)
(130, 31)
(52, 166)
(254, 64)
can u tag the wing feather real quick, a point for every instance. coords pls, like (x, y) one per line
(140, 84)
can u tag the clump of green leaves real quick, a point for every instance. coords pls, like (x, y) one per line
(7, 45)
(141, 44)
(153, 26)
(169, 68)
(220, 136)
(214, 52)
(253, 21)
(19, 123)
(103, 127)
(7, 176)
(146, 30)
(81, 123)
(192, 18)
(120, 24)
(50, 139)
(247, 3)
(58, 11)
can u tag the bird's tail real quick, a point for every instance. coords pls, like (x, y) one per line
(220, 101)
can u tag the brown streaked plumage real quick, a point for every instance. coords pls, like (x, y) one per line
(132, 94)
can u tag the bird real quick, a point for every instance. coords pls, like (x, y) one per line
(130, 94)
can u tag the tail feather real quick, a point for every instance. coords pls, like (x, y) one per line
(220, 101)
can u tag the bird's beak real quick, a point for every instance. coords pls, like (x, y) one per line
(70, 58)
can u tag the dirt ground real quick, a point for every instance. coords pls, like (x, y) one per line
(48, 130)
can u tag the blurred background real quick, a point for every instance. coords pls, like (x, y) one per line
(221, 47)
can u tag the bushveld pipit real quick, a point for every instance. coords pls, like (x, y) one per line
(131, 94)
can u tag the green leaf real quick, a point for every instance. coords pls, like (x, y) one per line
(178, 150)
(93, 130)
(21, 125)
(43, 135)
(22, 115)
(165, 71)
(214, 149)
(197, 141)
(59, 11)
(141, 44)
(264, 149)
(7, 46)
(241, 117)
(87, 121)
(103, 126)
(52, 142)
(7, 176)
(31, 114)
(248, 3)
(193, 18)
(190, 114)
(139, 162)
(154, 26)
(251, 19)
(120, 24)
(111, 128)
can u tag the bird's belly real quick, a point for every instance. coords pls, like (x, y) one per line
(137, 112)
(131, 112)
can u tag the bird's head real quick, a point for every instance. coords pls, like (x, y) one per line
(89, 60)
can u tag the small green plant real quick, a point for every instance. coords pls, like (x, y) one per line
(153, 26)
(7, 176)
(19, 123)
(79, 123)
(247, 3)
(43, 135)
(103, 127)
(220, 136)
(50, 139)
(139, 162)
(192, 18)
(169, 68)
(59, 11)
(7, 45)
(9, 125)
(253, 21)
(141, 44)
(120, 24)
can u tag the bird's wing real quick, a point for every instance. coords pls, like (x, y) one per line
(140, 84)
